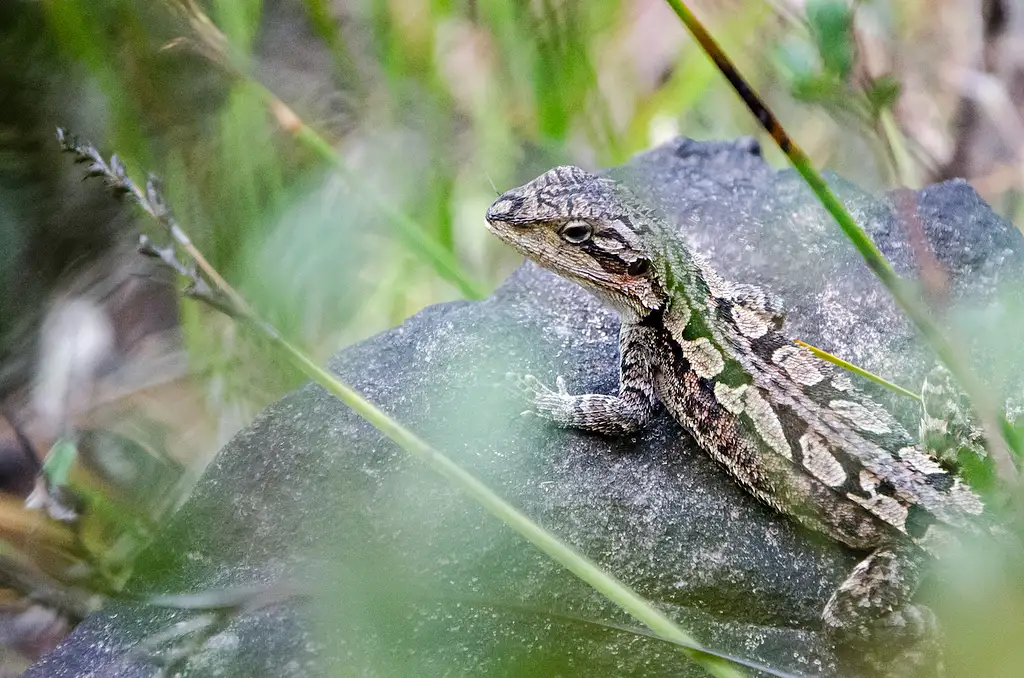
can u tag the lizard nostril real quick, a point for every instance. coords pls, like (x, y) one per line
(505, 207)
(498, 210)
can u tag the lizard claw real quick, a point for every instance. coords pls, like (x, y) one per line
(524, 387)
(544, 401)
(529, 387)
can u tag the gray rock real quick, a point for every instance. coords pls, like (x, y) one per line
(411, 578)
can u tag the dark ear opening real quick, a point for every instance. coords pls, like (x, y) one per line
(639, 267)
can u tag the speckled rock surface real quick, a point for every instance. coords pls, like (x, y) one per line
(410, 578)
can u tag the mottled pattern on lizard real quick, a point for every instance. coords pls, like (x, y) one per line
(790, 429)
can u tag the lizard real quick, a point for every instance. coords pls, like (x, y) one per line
(790, 428)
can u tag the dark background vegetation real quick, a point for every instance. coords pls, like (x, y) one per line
(333, 159)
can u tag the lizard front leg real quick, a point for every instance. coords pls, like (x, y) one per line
(873, 623)
(613, 415)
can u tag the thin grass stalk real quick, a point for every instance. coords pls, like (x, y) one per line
(1001, 439)
(828, 357)
(215, 46)
(416, 238)
(562, 553)
(209, 286)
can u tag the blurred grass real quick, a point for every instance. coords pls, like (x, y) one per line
(440, 98)
(420, 105)
(367, 206)
(423, 102)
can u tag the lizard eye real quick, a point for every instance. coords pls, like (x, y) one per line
(639, 267)
(576, 232)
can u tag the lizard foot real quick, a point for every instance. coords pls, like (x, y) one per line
(554, 404)
(873, 627)
(593, 412)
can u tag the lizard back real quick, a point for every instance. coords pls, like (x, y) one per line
(791, 429)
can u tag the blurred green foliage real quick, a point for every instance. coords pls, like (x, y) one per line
(425, 104)
(334, 159)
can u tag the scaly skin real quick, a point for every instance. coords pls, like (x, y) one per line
(790, 429)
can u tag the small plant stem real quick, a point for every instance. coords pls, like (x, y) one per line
(1000, 440)
(439, 257)
(565, 555)
(213, 289)
(825, 355)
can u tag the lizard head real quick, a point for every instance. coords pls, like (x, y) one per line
(579, 226)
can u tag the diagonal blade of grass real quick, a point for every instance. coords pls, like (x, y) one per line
(566, 556)
(210, 287)
(625, 628)
(216, 46)
(415, 237)
(825, 355)
(1000, 439)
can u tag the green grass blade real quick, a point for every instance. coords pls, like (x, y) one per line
(416, 238)
(212, 288)
(565, 555)
(839, 362)
(989, 413)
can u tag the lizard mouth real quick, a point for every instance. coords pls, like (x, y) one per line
(512, 234)
(504, 231)
(502, 221)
